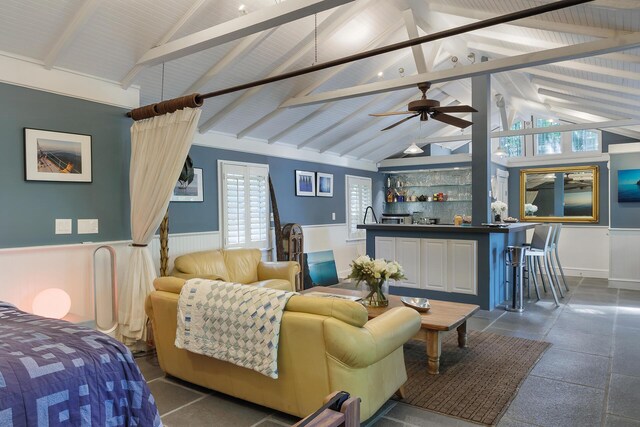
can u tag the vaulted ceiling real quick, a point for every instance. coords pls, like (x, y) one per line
(108, 39)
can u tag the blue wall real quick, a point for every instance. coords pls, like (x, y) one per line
(192, 217)
(514, 191)
(28, 209)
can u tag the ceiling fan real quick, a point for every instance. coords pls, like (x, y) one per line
(430, 108)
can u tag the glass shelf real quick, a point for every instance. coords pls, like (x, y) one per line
(426, 201)
(432, 185)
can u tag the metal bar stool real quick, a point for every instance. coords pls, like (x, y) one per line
(538, 254)
(553, 253)
(515, 261)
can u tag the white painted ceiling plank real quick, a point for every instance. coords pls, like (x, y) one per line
(328, 75)
(581, 82)
(599, 47)
(254, 22)
(128, 79)
(620, 102)
(70, 30)
(584, 92)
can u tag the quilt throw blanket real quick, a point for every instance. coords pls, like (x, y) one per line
(55, 373)
(236, 323)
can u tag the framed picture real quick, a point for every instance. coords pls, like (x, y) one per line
(324, 184)
(305, 183)
(56, 156)
(185, 192)
(628, 185)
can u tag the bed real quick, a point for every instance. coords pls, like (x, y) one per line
(55, 373)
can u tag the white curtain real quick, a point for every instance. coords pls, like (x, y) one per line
(159, 146)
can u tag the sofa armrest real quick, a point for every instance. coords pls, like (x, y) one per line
(169, 284)
(362, 347)
(187, 276)
(285, 270)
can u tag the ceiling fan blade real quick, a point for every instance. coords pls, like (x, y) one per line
(451, 120)
(455, 109)
(391, 113)
(401, 121)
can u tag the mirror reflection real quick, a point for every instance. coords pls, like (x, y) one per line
(565, 194)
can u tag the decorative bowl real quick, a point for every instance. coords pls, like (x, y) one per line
(419, 304)
(510, 220)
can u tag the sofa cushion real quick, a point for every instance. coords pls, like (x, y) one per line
(205, 263)
(349, 312)
(281, 284)
(242, 264)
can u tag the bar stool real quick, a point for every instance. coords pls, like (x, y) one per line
(537, 255)
(553, 253)
(515, 261)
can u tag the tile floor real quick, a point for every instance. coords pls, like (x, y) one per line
(589, 377)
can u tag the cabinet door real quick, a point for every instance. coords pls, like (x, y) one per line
(385, 248)
(433, 263)
(408, 255)
(462, 264)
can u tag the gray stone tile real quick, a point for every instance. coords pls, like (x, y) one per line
(170, 396)
(508, 422)
(581, 342)
(585, 323)
(629, 295)
(267, 422)
(624, 398)
(577, 368)
(386, 422)
(594, 281)
(218, 410)
(591, 309)
(530, 322)
(486, 314)
(517, 333)
(478, 323)
(628, 319)
(281, 417)
(421, 417)
(626, 348)
(149, 367)
(594, 299)
(546, 402)
(613, 421)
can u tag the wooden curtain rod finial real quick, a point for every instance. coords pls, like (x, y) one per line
(170, 106)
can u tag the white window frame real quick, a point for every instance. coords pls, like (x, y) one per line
(565, 143)
(359, 234)
(248, 169)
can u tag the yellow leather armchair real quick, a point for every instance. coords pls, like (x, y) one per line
(238, 266)
(326, 345)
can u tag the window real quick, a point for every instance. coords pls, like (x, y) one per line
(514, 145)
(548, 143)
(358, 198)
(585, 140)
(244, 204)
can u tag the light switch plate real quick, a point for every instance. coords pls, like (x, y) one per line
(63, 226)
(87, 226)
(333, 216)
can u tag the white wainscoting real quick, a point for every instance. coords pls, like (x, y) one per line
(625, 261)
(584, 250)
(27, 271)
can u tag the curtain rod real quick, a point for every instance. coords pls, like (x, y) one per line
(196, 100)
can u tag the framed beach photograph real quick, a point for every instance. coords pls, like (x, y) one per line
(305, 183)
(189, 192)
(324, 184)
(57, 156)
(628, 185)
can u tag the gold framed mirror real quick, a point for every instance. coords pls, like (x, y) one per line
(560, 194)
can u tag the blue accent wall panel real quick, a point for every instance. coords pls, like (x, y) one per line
(193, 217)
(28, 209)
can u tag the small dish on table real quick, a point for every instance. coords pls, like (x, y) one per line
(419, 304)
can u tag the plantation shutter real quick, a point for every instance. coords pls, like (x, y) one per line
(358, 198)
(245, 205)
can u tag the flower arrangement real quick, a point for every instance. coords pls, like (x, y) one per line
(498, 207)
(374, 272)
(530, 209)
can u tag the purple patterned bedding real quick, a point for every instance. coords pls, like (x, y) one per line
(54, 373)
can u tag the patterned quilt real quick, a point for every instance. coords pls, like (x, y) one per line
(236, 323)
(54, 373)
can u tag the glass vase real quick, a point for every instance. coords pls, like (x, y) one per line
(374, 296)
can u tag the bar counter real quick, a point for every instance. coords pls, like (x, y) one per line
(446, 262)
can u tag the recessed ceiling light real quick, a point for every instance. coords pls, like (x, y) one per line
(380, 74)
(242, 9)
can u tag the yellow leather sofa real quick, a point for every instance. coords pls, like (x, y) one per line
(325, 345)
(238, 266)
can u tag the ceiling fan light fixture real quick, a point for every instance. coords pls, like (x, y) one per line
(413, 149)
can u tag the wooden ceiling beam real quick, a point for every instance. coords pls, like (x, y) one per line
(572, 81)
(583, 92)
(622, 103)
(412, 33)
(243, 26)
(599, 47)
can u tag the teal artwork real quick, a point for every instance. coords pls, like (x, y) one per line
(322, 268)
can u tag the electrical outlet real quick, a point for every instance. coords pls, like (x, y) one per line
(63, 226)
(333, 216)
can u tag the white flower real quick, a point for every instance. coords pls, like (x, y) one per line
(379, 265)
(361, 260)
(498, 206)
(530, 208)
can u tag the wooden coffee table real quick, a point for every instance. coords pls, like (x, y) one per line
(442, 317)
